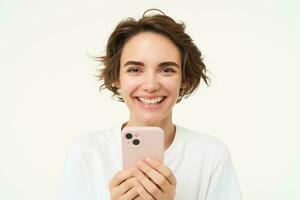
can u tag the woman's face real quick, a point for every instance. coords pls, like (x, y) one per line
(150, 78)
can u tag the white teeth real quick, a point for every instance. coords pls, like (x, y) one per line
(150, 101)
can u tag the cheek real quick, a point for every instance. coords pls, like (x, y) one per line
(172, 85)
(128, 85)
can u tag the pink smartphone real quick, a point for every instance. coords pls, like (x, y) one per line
(138, 143)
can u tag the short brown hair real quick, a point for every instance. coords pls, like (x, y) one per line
(193, 69)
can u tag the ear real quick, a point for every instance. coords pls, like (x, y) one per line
(116, 84)
(183, 85)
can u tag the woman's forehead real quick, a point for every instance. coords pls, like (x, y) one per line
(148, 46)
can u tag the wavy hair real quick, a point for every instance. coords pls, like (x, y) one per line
(193, 69)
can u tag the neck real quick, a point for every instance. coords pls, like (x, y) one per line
(168, 128)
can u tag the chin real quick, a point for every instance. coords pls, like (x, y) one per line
(151, 119)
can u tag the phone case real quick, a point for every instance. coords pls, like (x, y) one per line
(139, 143)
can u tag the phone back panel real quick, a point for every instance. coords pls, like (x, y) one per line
(139, 143)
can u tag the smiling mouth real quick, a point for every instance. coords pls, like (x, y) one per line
(151, 101)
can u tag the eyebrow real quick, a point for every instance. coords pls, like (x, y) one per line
(163, 64)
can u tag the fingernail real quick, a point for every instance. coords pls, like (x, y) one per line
(148, 159)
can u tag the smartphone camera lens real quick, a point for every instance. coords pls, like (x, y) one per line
(128, 136)
(136, 142)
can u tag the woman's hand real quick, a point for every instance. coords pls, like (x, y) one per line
(121, 185)
(156, 181)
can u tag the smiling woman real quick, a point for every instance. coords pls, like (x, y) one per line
(152, 89)
(151, 64)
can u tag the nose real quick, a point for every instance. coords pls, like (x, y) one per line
(150, 83)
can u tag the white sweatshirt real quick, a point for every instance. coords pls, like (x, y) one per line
(200, 163)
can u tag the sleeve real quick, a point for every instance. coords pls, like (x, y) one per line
(73, 183)
(223, 183)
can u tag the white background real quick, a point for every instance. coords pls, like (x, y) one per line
(49, 95)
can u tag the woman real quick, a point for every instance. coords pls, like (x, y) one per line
(151, 64)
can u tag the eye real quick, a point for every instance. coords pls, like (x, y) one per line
(167, 70)
(133, 69)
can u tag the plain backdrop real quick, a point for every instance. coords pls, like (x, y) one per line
(49, 94)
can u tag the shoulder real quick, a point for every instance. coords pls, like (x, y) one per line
(95, 149)
(203, 143)
(92, 141)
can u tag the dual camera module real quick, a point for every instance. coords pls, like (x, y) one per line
(129, 136)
